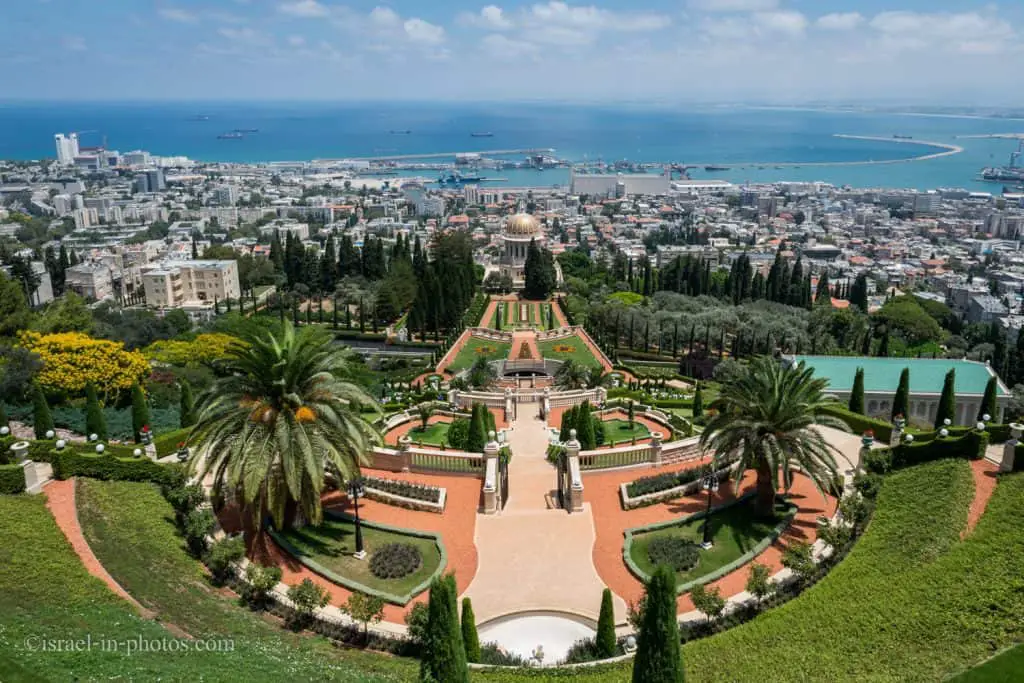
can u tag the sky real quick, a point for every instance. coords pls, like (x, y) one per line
(668, 51)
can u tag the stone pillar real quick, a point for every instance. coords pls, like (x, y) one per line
(1010, 447)
(509, 406)
(656, 438)
(492, 484)
(897, 431)
(20, 451)
(545, 405)
(572, 455)
(602, 395)
(33, 482)
(404, 444)
(453, 397)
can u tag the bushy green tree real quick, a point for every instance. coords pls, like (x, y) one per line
(947, 400)
(708, 601)
(140, 412)
(568, 424)
(606, 642)
(857, 393)
(658, 655)
(443, 655)
(698, 402)
(477, 430)
(901, 403)
(585, 428)
(95, 422)
(470, 639)
(42, 420)
(186, 405)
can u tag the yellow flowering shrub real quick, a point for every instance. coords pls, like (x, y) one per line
(203, 349)
(72, 360)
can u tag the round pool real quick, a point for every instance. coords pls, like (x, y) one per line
(522, 633)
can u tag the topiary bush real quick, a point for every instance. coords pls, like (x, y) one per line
(395, 560)
(679, 553)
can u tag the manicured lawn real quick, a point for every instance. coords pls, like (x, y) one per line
(435, 434)
(1007, 667)
(130, 529)
(569, 348)
(332, 543)
(479, 348)
(618, 431)
(733, 530)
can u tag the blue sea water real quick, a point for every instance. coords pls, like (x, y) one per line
(732, 135)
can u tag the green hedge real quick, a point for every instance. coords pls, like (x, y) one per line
(860, 423)
(12, 479)
(67, 463)
(970, 446)
(167, 443)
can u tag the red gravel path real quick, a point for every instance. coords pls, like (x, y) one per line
(60, 499)
(601, 490)
(985, 479)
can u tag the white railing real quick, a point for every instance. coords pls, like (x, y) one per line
(625, 456)
(426, 460)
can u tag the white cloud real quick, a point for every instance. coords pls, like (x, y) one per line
(176, 14)
(308, 9)
(424, 32)
(384, 17)
(782, 21)
(502, 47)
(966, 32)
(592, 18)
(840, 21)
(242, 35)
(733, 5)
(759, 25)
(490, 17)
(296, 41)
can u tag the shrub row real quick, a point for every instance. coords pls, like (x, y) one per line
(167, 443)
(970, 446)
(67, 463)
(406, 489)
(12, 479)
(860, 423)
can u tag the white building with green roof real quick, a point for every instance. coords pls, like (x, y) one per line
(882, 376)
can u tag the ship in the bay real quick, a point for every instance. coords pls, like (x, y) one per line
(484, 134)
(1013, 171)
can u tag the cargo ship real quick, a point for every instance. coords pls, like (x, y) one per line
(230, 136)
(716, 168)
(456, 178)
(1013, 171)
(247, 130)
(486, 134)
(400, 132)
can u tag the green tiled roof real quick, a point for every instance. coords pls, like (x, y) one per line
(883, 374)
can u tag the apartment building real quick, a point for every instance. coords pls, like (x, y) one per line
(176, 284)
(91, 280)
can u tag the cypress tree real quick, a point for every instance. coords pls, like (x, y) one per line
(605, 640)
(947, 401)
(585, 428)
(477, 430)
(988, 401)
(857, 393)
(443, 656)
(658, 655)
(469, 636)
(186, 403)
(883, 348)
(140, 412)
(95, 422)
(3, 415)
(568, 424)
(42, 420)
(698, 402)
(901, 403)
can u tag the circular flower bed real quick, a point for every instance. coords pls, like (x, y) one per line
(564, 348)
(395, 560)
(679, 553)
(484, 349)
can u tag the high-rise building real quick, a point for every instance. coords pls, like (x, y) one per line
(151, 180)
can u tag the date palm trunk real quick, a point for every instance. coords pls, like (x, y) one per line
(765, 501)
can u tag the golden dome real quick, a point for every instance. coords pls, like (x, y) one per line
(522, 225)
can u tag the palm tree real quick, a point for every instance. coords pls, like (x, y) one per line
(597, 378)
(765, 417)
(280, 415)
(482, 374)
(572, 375)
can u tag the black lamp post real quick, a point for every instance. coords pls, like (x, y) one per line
(356, 488)
(710, 484)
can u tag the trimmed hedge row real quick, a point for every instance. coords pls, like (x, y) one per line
(12, 479)
(970, 446)
(68, 463)
(167, 443)
(860, 423)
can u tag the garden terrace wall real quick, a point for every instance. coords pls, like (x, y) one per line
(633, 502)
(355, 585)
(427, 460)
(710, 577)
(971, 446)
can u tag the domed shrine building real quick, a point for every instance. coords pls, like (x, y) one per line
(516, 235)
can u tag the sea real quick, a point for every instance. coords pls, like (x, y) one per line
(755, 138)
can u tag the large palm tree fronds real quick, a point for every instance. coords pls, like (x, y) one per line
(279, 417)
(765, 418)
(572, 375)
